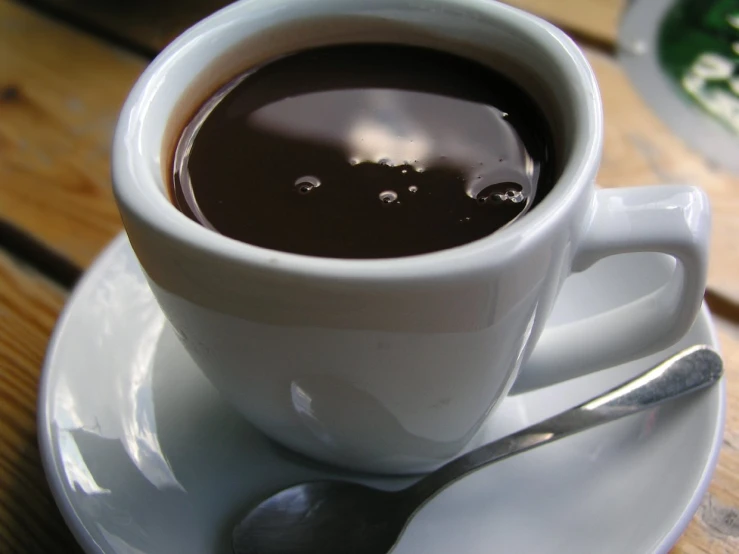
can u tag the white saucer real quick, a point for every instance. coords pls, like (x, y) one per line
(143, 456)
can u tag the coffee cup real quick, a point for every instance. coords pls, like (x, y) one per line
(392, 365)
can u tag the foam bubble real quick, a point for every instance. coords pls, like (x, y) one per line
(388, 196)
(515, 196)
(500, 192)
(307, 183)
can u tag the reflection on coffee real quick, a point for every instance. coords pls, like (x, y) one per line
(364, 151)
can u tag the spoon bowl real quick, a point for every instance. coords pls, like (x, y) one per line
(333, 514)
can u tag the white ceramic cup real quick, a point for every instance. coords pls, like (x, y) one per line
(391, 365)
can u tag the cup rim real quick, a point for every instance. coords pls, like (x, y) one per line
(138, 187)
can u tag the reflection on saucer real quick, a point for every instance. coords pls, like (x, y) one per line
(352, 413)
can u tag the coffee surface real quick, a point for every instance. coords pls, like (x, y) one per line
(364, 151)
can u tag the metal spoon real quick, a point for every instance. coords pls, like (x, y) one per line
(340, 517)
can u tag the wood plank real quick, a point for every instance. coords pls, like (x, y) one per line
(153, 25)
(60, 93)
(29, 519)
(150, 26)
(597, 20)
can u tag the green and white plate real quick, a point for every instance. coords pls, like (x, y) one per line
(683, 57)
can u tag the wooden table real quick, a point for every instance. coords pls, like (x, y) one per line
(66, 67)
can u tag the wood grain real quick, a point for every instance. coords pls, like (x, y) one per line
(597, 20)
(152, 25)
(149, 26)
(29, 519)
(60, 93)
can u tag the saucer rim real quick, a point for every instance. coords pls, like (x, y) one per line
(66, 507)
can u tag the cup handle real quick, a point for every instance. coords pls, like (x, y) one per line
(674, 220)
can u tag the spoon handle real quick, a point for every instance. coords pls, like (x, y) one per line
(691, 370)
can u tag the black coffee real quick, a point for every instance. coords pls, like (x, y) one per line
(364, 151)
